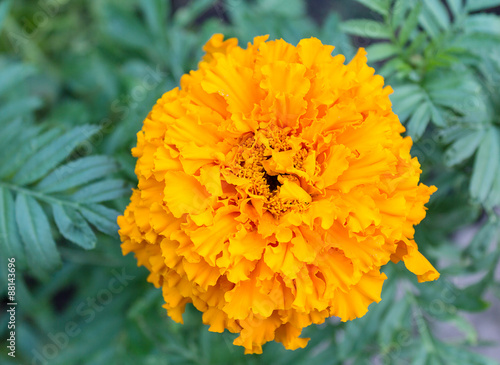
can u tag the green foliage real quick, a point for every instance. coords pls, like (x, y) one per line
(72, 102)
(45, 185)
(443, 80)
(441, 59)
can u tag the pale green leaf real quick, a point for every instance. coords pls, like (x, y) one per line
(421, 358)
(73, 227)
(51, 155)
(438, 11)
(429, 23)
(366, 28)
(287, 8)
(437, 116)
(419, 121)
(410, 24)
(466, 328)
(101, 191)
(483, 23)
(13, 74)
(399, 10)
(35, 232)
(23, 150)
(103, 218)
(405, 100)
(10, 241)
(493, 199)
(76, 173)
(476, 5)
(456, 6)
(4, 11)
(463, 148)
(486, 165)
(125, 28)
(381, 51)
(461, 355)
(393, 322)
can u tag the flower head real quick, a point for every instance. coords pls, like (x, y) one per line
(273, 185)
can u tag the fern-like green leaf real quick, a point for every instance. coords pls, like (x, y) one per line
(476, 5)
(10, 241)
(34, 229)
(45, 196)
(50, 155)
(486, 165)
(73, 227)
(76, 173)
(366, 28)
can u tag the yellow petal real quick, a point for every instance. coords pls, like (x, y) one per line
(415, 261)
(292, 191)
(355, 302)
(247, 244)
(209, 241)
(281, 259)
(184, 194)
(289, 337)
(217, 44)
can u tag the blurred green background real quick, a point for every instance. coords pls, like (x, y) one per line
(77, 78)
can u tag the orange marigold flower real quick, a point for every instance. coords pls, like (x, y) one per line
(273, 185)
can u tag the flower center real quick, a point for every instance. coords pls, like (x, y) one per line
(272, 182)
(253, 162)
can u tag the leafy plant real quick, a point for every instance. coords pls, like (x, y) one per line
(72, 102)
(46, 190)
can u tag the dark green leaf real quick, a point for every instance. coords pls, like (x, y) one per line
(470, 298)
(125, 28)
(410, 23)
(380, 6)
(73, 227)
(483, 239)
(19, 107)
(187, 15)
(156, 12)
